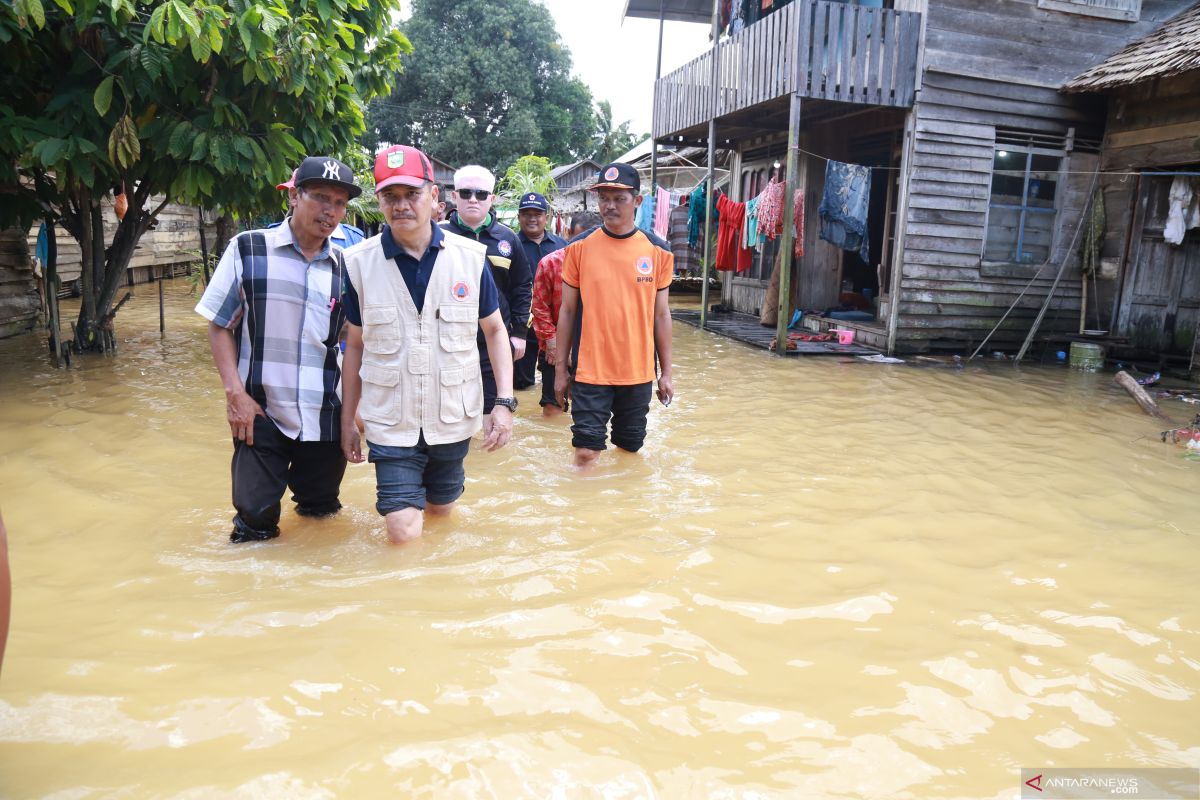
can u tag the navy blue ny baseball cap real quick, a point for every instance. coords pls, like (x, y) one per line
(533, 200)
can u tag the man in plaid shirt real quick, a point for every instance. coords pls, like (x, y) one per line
(547, 297)
(275, 320)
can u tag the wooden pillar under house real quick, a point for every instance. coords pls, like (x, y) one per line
(712, 159)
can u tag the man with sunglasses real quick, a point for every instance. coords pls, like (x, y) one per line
(473, 188)
(274, 324)
(415, 298)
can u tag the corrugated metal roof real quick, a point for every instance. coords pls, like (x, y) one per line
(558, 172)
(673, 10)
(1172, 49)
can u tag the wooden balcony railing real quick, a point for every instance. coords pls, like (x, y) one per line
(821, 49)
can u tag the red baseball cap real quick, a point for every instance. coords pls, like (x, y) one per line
(290, 183)
(404, 165)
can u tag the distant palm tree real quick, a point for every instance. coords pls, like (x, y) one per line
(610, 142)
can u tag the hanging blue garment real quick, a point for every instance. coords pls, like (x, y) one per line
(697, 205)
(644, 218)
(42, 252)
(844, 206)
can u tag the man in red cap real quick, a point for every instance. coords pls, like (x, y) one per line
(620, 275)
(415, 297)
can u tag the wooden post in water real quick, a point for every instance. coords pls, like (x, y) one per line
(790, 184)
(203, 245)
(786, 258)
(712, 159)
(50, 275)
(654, 108)
(162, 316)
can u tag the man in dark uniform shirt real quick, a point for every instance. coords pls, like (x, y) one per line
(537, 242)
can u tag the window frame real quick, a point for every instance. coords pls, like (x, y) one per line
(1029, 150)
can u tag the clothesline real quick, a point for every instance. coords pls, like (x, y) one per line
(1022, 172)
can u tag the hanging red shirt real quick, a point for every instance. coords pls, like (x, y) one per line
(730, 253)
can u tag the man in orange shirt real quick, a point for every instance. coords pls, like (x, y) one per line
(618, 278)
(547, 299)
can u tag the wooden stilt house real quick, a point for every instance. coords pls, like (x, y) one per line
(1147, 292)
(981, 168)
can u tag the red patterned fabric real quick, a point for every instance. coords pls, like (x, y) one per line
(547, 296)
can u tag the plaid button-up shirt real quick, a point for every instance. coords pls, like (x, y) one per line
(286, 317)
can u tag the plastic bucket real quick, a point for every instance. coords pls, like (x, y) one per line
(844, 336)
(1087, 356)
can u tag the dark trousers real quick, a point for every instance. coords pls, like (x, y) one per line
(525, 370)
(263, 471)
(593, 406)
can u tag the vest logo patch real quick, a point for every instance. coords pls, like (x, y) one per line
(504, 247)
(644, 265)
(460, 291)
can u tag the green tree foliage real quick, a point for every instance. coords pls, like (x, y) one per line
(487, 81)
(611, 142)
(527, 174)
(175, 100)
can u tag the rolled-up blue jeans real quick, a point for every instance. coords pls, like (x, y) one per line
(410, 477)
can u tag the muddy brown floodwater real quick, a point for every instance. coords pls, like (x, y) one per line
(820, 579)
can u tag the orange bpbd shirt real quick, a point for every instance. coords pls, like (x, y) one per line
(618, 278)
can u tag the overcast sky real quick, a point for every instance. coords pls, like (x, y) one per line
(617, 58)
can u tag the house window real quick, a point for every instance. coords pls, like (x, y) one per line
(1022, 207)
(1127, 10)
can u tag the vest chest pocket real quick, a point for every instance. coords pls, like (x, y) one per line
(456, 327)
(461, 395)
(381, 329)
(380, 394)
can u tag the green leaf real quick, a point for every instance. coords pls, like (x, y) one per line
(187, 16)
(154, 27)
(37, 12)
(180, 143)
(65, 5)
(102, 99)
(48, 151)
(201, 49)
(200, 147)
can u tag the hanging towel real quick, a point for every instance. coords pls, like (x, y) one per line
(662, 212)
(644, 218)
(698, 207)
(731, 253)
(798, 224)
(751, 226)
(678, 237)
(770, 210)
(844, 206)
(1183, 212)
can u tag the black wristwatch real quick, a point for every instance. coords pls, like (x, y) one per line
(508, 402)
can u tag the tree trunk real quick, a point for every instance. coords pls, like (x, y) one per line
(226, 228)
(104, 269)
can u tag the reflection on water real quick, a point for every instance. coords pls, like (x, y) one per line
(820, 579)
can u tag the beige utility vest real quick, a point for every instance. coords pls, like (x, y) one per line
(420, 371)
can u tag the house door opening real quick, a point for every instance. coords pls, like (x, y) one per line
(860, 281)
